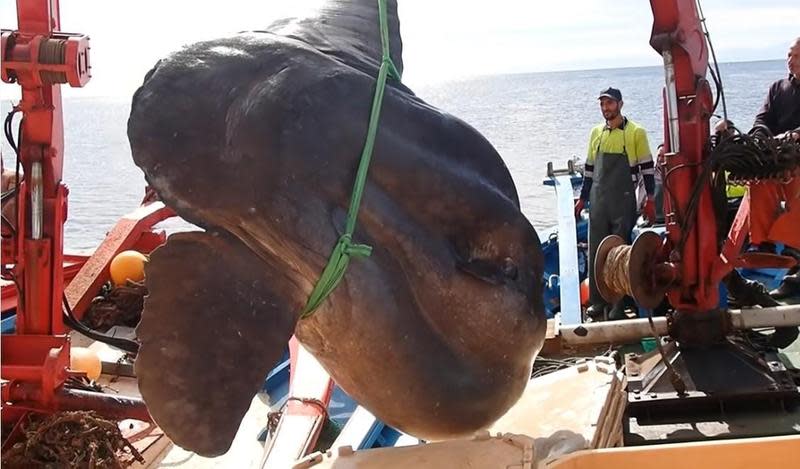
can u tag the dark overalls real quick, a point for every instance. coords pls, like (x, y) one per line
(612, 209)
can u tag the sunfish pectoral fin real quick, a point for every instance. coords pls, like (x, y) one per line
(215, 321)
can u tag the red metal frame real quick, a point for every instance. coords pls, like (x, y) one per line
(310, 391)
(72, 264)
(740, 227)
(39, 360)
(38, 58)
(35, 361)
(35, 59)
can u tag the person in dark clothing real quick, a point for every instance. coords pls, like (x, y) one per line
(779, 117)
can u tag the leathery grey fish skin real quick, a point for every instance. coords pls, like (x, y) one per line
(256, 138)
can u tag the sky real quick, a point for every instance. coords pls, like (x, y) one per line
(443, 39)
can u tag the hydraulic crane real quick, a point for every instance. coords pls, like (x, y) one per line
(36, 359)
(704, 365)
(689, 262)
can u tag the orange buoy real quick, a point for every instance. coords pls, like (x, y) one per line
(127, 265)
(86, 361)
(585, 292)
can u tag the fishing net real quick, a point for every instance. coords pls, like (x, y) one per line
(71, 439)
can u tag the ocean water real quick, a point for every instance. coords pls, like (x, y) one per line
(530, 118)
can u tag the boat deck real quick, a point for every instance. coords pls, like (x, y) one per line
(248, 451)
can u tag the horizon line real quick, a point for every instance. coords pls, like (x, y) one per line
(451, 79)
(571, 70)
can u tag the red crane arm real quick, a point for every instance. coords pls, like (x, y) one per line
(40, 58)
(679, 38)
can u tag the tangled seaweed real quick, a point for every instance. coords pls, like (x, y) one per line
(80, 439)
(119, 306)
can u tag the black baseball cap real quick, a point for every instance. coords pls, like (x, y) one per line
(611, 93)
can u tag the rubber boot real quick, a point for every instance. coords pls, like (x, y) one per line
(790, 287)
(621, 308)
(596, 312)
(791, 282)
(744, 292)
(617, 312)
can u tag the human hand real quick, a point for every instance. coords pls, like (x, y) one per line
(579, 204)
(649, 210)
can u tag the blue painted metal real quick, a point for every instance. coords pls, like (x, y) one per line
(550, 250)
(9, 324)
(278, 377)
(576, 181)
(770, 278)
(364, 431)
(387, 437)
(372, 435)
(341, 406)
(380, 435)
(660, 230)
(361, 431)
(276, 385)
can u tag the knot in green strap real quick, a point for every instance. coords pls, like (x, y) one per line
(353, 250)
(393, 73)
(334, 271)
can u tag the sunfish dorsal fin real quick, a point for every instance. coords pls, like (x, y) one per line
(348, 30)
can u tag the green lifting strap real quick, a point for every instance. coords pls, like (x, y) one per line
(345, 248)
